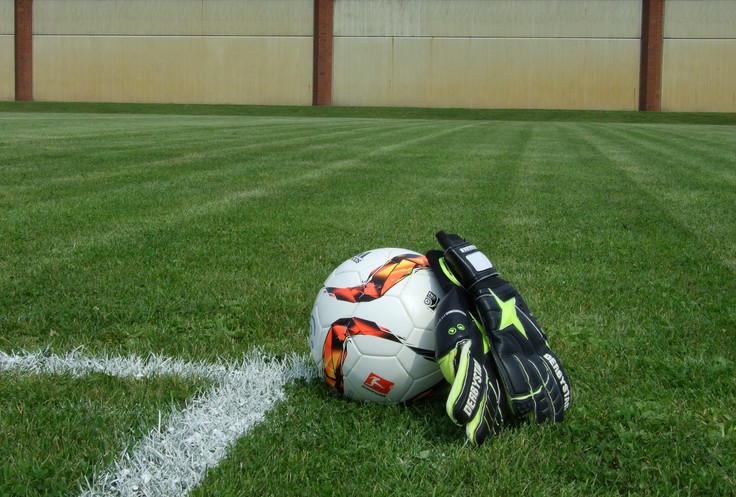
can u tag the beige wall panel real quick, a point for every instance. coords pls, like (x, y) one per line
(480, 73)
(233, 70)
(699, 76)
(700, 19)
(7, 67)
(7, 50)
(174, 17)
(259, 17)
(7, 17)
(117, 17)
(489, 18)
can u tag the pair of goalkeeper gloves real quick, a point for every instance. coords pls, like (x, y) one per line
(490, 347)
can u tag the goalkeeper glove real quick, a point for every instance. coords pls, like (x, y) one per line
(476, 399)
(532, 375)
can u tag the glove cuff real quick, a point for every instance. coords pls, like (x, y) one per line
(470, 266)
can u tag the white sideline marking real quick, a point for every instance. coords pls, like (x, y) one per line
(173, 461)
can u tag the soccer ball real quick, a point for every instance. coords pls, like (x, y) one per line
(372, 327)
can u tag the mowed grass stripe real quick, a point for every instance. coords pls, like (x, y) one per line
(699, 189)
(212, 159)
(189, 194)
(114, 131)
(695, 188)
(657, 304)
(447, 175)
(167, 163)
(691, 155)
(102, 253)
(76, 243)
(713, 145)
(141, 189)
(143, 152)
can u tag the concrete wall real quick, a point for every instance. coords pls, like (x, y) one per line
(574, 54)
(699, 56)
(224, 51)
(7, 50)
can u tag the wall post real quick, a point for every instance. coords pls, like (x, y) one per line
(652, 41)
(322, 64)
(24, 50)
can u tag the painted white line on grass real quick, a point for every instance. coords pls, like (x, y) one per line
(172, 461)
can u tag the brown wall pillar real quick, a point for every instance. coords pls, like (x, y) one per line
(323, 35)
(24, 49)
(650, 69)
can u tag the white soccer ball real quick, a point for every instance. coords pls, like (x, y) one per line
(372, 327)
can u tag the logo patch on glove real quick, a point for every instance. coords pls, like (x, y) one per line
(474, 390)
(560, 377)
(508, 315)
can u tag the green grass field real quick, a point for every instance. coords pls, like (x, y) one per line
(203, 234)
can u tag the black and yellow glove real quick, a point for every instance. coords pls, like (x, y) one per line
(532, 376)
(476, 399)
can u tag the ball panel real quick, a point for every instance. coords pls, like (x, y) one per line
(325, 312)
(331, 309)
(424, 386)
(378, 277)
(419, 363)
(351, 355)
(367, 262)
(377, 379)
(389, 311)
(420, 297)
(316, 336)
(377, 346)
(419, 338)
(346, 278)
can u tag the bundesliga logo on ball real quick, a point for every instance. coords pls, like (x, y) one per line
(372, 327)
